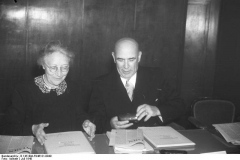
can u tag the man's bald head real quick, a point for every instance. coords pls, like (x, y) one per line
(126, 43)
(126, 56)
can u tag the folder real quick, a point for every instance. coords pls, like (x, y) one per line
(166, 137)
(74, 142)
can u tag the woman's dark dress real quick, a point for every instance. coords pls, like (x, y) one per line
(30, 105)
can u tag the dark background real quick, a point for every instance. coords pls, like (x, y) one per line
(195, 41)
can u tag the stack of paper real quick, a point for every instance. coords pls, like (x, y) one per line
(67, 142)
(128, 141)
(166, 137)
(230, 131)
(16, 144)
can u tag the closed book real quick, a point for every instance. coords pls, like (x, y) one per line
(74, 142)
(166, 137)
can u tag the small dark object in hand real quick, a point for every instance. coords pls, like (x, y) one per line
(128, 117)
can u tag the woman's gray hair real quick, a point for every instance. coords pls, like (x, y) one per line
(50, 48)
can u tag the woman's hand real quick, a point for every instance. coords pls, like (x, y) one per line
(38, 131)
(89, 128)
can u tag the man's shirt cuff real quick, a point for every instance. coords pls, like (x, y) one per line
(160, 118)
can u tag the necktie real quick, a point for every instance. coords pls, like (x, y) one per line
(129, 87)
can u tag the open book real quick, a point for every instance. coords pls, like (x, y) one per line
(230, 131)
(16, 144)
(128, 141)
(68, 142)
(166, 137)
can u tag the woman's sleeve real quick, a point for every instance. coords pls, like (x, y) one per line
(80, 107)
(16, 115)
(97, 109)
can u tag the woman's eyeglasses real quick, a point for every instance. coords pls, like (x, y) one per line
(54, 69)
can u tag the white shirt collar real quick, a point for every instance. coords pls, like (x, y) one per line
(132, 80)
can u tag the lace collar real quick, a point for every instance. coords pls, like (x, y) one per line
(43, 87)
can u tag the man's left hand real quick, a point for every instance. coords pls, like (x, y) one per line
(148, 111)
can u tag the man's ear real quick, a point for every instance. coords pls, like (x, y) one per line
(114, 58)
(139, 56)
(43, 67)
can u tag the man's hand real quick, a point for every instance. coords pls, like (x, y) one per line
(38, 131)
(148, 111)
(89, 128)
(115, 124)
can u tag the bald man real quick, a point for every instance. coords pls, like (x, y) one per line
(151, 98)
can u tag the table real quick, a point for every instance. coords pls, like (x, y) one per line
(204, 140)
(207, 142)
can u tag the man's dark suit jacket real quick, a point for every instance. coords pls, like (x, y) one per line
(109, 98)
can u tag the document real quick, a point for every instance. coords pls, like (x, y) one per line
(128, 137)
(128, 141)
(230, 131)
(165, 136)
(136, 149)
(68, 142)
(16, 144)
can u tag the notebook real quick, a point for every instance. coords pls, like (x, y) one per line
(68, 142)
(165, 137)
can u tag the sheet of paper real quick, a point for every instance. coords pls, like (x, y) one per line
(112, 136)
(138, 149)
(16, 144)
(165, 136)
(230, 131)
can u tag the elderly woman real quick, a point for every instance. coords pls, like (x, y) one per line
(49, 103)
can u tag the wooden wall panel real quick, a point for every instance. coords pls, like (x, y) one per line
(104, 23)
(54, 20)
(160, 30)
(200, 45)
(12, 47)
(89, 28)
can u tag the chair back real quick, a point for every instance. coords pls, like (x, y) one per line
(213, 111)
